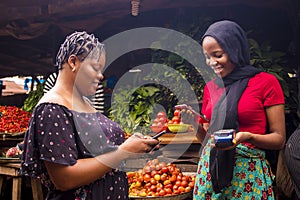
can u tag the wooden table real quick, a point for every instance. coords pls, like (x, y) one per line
(179, 138)
(12, 170)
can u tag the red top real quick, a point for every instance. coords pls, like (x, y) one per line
(263, 90)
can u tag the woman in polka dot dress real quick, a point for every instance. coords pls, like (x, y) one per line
(76, 151)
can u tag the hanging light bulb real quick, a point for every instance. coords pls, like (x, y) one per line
(135, 4)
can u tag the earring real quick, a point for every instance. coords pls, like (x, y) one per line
(73, 69)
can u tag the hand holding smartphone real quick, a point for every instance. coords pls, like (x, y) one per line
(159, 134)
(199, 118)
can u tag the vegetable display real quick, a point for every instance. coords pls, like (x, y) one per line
(13, 119)
(33, 98)
(158, 179)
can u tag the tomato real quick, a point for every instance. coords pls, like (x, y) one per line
(157, 167)
(147, 185)
(153, 188)
(173, 178)
(175, 187)
(164, 170)
(138, 184)
(159, 186)
(157, 177)
(170, 186)
(153, 181)
(178, 183)
(162, 120)
(143, 194)
(185, 178)
(176, 192)
(191, 184)
(162, 164)
(147, 169)
(184, 184)
(163, 177)
(187, 189)
(181, 189)
(179, 177)
(175, 122)
(161, 114)
(155, 121)
(168, 190)
(176, 112)
(162, 193)
(176, 119)
(147, 177)
(166, 182)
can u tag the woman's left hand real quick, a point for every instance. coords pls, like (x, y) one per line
(237, 139)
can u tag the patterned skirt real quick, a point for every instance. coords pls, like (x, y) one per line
(252, 176)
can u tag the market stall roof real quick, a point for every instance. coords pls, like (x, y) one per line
(31, 30)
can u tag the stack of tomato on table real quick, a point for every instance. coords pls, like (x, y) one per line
(13, 120)
(161, 123)
(160, 179)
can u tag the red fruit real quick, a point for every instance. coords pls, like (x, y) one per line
(176, 112)
(176, 119)
(184, 184)
(161, 114)
(164, 170)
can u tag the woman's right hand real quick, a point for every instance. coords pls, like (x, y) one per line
(138, 144)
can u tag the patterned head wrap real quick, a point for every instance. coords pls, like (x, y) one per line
(80, 44)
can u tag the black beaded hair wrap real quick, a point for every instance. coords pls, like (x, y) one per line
(80, 44)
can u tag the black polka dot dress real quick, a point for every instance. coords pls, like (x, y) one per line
(57, 134)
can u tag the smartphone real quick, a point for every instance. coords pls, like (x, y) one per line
(159, 134)
(199, 117)
(223, 138)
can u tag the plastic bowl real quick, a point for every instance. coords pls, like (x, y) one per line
(179, 128)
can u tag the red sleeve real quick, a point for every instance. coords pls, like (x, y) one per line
(273, 93)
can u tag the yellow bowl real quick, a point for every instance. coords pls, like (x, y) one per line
(179, 128)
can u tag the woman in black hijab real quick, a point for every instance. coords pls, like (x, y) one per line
(246, 100)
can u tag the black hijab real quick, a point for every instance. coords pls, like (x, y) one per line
(232, 38)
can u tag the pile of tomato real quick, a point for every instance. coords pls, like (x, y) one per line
(159, 179)
(13, 119)
(161, 121)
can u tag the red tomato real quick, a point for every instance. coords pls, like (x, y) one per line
(162, 193)
(147, 177)
(164, 169)
(153, 182)
(181, 189)
(168, 190)
(163, 177)
(184, 184)
(161, 114)
(173, 178)
(153, 188)
(155, 121)
(178, 183)
(187, 189)
(162, 119)
(179, 177)
(176, 119)
(185, 178)
(176, 112)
